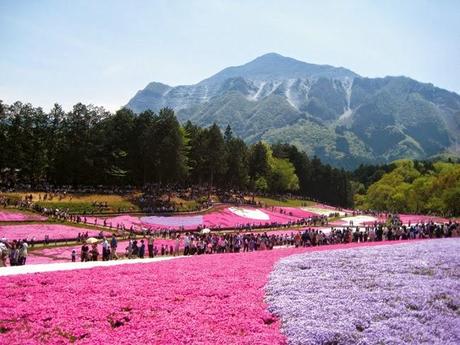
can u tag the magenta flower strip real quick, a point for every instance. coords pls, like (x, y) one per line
(14, 216)
(206, 299)
(39, 231)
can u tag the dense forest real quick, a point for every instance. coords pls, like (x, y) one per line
(414, 187)
(90, 146)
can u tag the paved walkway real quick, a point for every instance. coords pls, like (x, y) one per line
(67, 266)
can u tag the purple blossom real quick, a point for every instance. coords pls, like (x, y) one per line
(400, 294)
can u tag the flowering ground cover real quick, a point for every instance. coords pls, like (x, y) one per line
(237, 216)
(51, 255)
(208, 299)
(229, 217)
(38, 231)
(404, 294)
(322, 210)
(63, 254)
(359, 220)
(250, 213)
(188, 222)
(125, 220)
(16, 216)
(282, 232)
(418, 218)
(295, 212)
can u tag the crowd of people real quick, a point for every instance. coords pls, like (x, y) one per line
(15, 252)
(212, 243)
(240, 238)
(234, 242)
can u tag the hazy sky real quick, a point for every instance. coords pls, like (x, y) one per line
(102, 52)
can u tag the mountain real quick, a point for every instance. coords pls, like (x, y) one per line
(331, 112)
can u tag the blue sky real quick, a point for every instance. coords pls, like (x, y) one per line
(102, 52)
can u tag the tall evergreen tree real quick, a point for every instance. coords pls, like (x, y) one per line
(237, 163)
(215, 163)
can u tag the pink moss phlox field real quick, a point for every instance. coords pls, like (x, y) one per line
(226, 218)
(295, 212)
(63, 254)
(173, 222)
(14, 216)
(38, 231)
(125, 220)
(207, 299)
(405, 294)
(418, 218)
(222, 218)
(51, 255)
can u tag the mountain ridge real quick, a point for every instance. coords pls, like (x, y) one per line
(328, 111)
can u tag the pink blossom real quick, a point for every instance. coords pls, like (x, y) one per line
(16, 216)
(206, 299)
(127, 221)
(38, 231)
(63, 254)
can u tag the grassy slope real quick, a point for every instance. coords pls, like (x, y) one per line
(285, 203)
(81, 203)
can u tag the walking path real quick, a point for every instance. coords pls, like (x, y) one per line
(67, 266)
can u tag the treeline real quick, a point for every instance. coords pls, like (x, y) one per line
(415, 187)
(90, 146)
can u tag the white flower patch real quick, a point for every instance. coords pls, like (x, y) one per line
(322, 211)
(249, 213)
(358, 220)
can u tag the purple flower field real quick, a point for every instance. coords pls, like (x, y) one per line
(400, 294)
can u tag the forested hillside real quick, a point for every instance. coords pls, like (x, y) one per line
(90, 146)
(415, 187)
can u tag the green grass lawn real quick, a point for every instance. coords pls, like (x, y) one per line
(80, 203)
(285, 203)
(185, 205)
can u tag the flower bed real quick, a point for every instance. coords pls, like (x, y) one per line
(39, 231)
(294, 211)
(405, 294)
(173, 222)
(283, 232)
(418, 218)
(250, 213)
(15, 216)
(208, 299)
(63, 254)
(127, 221)
(226, 218)
(322, 210)
(359, 220)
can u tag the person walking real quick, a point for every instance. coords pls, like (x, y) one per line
(105, 250)
(113, 247)
(23, 252)
(142, 249)
(176, 246)
(150, 245)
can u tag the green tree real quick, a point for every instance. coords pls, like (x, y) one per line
(283, 177)
(215, 158)
(258, 161)
(172, 148)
